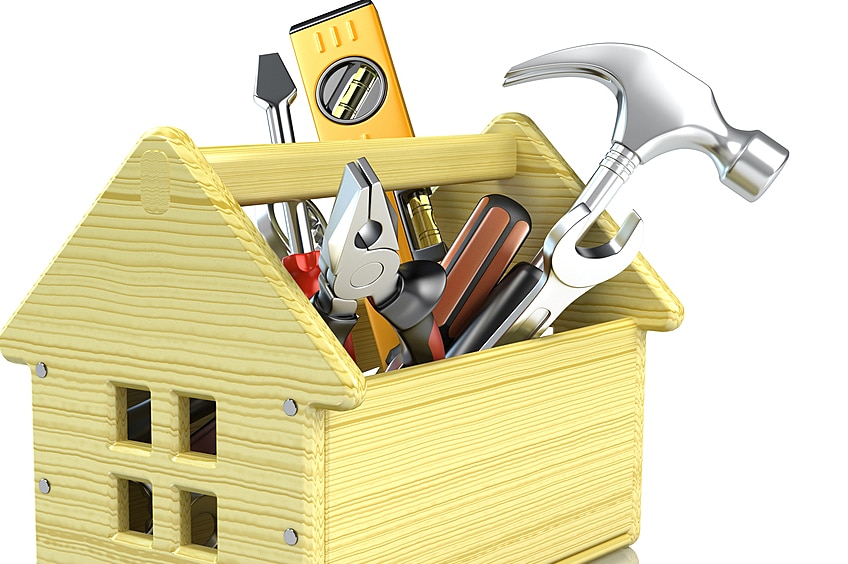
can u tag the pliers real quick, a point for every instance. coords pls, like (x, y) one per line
(359, 259)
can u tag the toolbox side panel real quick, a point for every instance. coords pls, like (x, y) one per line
(167, 288)
(525, 453)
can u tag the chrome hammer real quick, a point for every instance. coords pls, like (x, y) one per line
(661, 107)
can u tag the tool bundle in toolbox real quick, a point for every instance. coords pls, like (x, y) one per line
(248, 437)
(388, 250)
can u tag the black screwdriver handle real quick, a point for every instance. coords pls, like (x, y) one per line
(494, 318)
(410, 310)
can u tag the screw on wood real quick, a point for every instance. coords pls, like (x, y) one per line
(290, 536)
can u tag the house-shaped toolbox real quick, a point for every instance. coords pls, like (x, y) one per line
(166, 294)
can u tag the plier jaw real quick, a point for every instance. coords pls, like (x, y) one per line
(360, 252)
(359, 259)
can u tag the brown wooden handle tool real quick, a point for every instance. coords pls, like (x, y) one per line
(475, 262)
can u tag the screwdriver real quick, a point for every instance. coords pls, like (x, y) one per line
(481, 253)
(510, 295)
(276, 90)
(275, 87)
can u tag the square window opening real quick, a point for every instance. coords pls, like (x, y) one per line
(135, 506)
(199, 425)
(133, 414)
(200, 512)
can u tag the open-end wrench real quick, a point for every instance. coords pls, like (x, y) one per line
(570, 270)
(531, 296)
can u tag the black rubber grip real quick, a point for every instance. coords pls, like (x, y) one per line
(410, 310)
(504, 299)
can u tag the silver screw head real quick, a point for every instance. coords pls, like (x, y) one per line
(290, 536)
(41, 370)
(290, 407)
(44, 486)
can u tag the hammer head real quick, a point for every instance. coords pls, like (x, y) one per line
(661, 107)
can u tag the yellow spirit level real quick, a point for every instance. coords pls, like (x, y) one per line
(353, 93)
(348, 75)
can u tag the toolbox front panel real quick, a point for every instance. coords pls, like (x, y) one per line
(266, 477)
(525, 453)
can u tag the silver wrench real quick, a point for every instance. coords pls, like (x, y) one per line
(569, 271)
(532, 295)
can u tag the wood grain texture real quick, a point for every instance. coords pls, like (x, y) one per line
(197, 284)
(267, 474)
(546, 186)
(188, 301)
(525, 453)
(261, 174)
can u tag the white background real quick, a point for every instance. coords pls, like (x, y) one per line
(745, 416)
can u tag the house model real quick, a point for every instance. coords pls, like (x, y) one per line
(166, 297)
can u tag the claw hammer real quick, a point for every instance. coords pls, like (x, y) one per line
(661, 108)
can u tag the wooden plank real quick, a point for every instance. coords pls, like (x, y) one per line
(525, 453)
(261, 174)
(167, 286)
(193, 285)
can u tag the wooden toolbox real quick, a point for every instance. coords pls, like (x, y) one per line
(166, 291)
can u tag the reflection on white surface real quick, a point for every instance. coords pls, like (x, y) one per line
(623, 556)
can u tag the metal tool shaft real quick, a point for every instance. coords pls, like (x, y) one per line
(276, 90)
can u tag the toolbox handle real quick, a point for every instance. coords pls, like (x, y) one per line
(262, 174)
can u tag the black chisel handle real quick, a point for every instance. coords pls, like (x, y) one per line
(481, 253)
(505, 300)
(410, 310)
